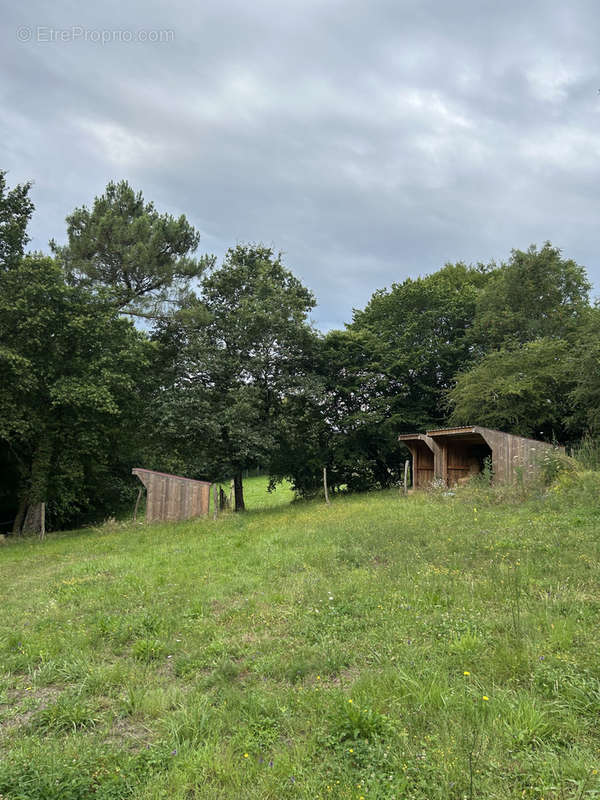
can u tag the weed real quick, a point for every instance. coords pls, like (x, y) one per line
(148, 650)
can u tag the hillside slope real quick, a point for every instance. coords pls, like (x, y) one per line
(383, 647)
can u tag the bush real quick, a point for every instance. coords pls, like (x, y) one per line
(554, 463)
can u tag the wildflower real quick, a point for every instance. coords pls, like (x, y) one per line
(350, 701)
(246, 755)
(350, 750)
(485, 697)
(466, 672)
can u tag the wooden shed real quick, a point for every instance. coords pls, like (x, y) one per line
(171, 498)
(454, 454)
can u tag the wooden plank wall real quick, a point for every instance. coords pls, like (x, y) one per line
(511, 454)
(171, 498)
(461, 463)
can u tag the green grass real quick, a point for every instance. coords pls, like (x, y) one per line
(384, 647)
(256, 496)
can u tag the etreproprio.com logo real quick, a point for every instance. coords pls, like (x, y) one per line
(78, 33)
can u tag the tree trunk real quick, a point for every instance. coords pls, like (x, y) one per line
(18, 523)
(238, 492)
(28, 520)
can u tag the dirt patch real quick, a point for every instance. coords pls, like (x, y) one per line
(36, 700)
(129, 733)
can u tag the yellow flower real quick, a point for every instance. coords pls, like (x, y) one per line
(246, 755)
(466, 672)
(350, 750)
(485, 697)
(350, 701)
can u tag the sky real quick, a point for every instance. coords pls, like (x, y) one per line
(368, 140)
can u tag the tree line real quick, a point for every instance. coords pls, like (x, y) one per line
(124, 348)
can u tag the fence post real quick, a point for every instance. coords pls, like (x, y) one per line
(43, 521)
(215, 504)
(325, 485)
(137, 502)
(406, 476)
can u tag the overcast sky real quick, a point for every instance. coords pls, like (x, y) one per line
(369, 141)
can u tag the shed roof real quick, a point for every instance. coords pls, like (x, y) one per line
(464, 431)
(139, 470)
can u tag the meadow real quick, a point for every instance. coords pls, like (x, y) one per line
(432, 646)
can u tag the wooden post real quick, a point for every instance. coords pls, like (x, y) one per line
(231, 483)
(406, 476)
(238, 488)
(43, 521)
(137, 502)
(325, 486)
(215, 504)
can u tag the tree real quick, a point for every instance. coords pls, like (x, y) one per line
(523, 390)
(123, 245)
(585, 365)
(236, 357)
(340, 420)
(72, 373)
(537, 294)
(421, 339)
(16, 209)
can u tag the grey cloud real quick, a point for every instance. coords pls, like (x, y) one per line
(369, 141)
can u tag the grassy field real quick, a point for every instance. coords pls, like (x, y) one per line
(384, 647)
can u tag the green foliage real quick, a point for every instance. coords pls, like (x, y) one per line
(70, 389)
(350, 722)
(16, 209)
(148, 650)
(585, 366)
(537, 294)
(53, 771)
(236, 377)
(421, 339)
(554, 463)
(587, 452)
(70, 712)
(124, 246)
(523, 390)
(232, 363)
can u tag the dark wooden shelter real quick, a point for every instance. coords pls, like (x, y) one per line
(454, 454)
(171, 498)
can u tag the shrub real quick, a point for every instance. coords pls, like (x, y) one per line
(554, 463)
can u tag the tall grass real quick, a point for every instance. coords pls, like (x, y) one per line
(433, 646)
(587, 452)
